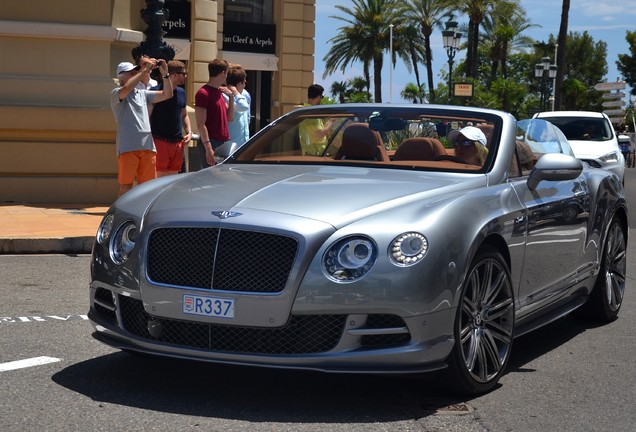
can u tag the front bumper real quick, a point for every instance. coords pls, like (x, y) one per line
(353, 342)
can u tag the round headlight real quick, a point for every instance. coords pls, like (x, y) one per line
(123, 242)
(408, 248)
(105, 228)
(349, 259)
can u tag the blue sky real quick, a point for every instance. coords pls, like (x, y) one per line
(602, 19)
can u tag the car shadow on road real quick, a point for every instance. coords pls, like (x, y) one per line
(530, 346)
(274, 395)
(253, 394)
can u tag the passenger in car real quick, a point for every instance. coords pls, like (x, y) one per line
(470, 145)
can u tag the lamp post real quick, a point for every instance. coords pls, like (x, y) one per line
(154, 46)
(450, 40)
(545, 72)
(390, 63)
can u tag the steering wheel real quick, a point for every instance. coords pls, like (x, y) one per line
(450, 158)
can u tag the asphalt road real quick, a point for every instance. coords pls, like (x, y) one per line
(568, 376)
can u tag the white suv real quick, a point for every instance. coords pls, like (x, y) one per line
(591, 136)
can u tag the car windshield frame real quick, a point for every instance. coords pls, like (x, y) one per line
(285, 141)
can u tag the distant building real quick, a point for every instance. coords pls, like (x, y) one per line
(57, 132)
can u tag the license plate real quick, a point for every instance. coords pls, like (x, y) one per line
(217, 307)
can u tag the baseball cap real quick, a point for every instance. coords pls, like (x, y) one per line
(125, 67)
(470, 132)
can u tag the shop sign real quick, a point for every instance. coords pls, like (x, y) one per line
(464, 90)
(178, 24)
(244, 37)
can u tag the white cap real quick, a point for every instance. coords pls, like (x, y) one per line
(125, 67)
(470, 132)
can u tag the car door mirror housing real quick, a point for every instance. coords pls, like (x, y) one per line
(554, 167)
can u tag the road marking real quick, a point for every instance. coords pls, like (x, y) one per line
(20, 364)
(43, 318)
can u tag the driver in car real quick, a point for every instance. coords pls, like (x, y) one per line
(470, 145)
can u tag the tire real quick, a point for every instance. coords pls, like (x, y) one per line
(484, 325)
(607, 295)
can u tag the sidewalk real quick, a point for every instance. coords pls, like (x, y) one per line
(48, 228)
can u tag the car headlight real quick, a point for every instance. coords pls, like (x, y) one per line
(408, 248)
(123, 242)
(349, 259)
(105, 228)
(610, 157)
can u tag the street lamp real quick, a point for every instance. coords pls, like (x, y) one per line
(545, 72)
(450, 40)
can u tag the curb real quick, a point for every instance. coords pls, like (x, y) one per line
(66, 245)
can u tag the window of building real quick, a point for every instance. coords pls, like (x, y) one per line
(249, 11)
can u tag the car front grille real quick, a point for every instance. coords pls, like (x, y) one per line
(303, 334)
(220, 259)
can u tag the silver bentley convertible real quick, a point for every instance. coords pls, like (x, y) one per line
(365, 238)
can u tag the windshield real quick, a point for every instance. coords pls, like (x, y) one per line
(399, 137)
(583, 128)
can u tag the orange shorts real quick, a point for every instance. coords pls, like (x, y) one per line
(169, 154)
(139, 163)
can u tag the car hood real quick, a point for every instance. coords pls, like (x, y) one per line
(592, 149)
(335, 195)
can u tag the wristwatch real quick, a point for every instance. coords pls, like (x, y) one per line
(166, 76)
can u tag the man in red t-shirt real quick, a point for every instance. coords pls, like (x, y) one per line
(212, 112)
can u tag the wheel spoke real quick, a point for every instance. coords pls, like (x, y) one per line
(498, 310)
(492, 350)
(500, 332)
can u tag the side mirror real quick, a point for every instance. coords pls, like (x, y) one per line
(554, 167)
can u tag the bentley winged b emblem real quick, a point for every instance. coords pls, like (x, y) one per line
(226, 214)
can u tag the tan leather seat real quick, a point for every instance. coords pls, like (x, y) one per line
(361, 143)
(419, 149)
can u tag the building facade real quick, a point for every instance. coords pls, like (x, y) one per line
(57, 131)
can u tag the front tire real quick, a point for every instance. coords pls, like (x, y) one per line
(484, 325)
(607, 295)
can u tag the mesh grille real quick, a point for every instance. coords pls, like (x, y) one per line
(303, 334)
(230, 260)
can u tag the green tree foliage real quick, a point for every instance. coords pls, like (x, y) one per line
(627, 62)
(413, 92)
(585, 66)
(499, 58)
(365, 37)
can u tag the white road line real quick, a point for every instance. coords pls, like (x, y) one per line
(19, 364)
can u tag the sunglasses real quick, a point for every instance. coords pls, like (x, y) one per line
(465, 143)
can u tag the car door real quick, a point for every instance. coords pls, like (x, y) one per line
(555, 223)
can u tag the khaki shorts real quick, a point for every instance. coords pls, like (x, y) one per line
(139, 163)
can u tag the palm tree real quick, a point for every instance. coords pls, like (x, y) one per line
(339, 90)
(408, 44)
(502, 33)
(413, 92)
(428, 14)
(560, 60)
(476, 10)
(365, 38)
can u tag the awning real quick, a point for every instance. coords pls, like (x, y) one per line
(252, 61)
